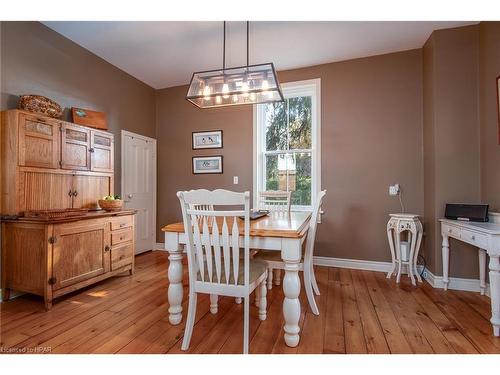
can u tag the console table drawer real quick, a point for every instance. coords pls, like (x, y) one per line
(451, 231)
(474, 238)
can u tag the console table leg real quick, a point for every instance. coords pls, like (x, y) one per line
(495, 293)
(411, 265)
(446, 261)
(482, 270)
(398, 256)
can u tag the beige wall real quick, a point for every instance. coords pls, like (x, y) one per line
(371, 137)
(424, 118)
(451, 139)
(489, 57)
(37, 60)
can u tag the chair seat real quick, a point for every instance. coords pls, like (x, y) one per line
(256, 267)
(269, 256)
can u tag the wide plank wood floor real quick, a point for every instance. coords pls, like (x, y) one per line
(361, 312)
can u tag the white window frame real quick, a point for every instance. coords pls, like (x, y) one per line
(311, 87)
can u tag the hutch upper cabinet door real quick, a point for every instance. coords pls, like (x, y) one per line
(38, 141)
(44, 191)
(81, 251)
(87, 190)
(75, 150)
(102, 151)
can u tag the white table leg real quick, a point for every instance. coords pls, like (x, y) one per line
(482, 270)
(291, 254)
(398, 255)
(417, 249)
(495, 293)
(390, 238)
(174, 278)
(446, 261)
(411, 256)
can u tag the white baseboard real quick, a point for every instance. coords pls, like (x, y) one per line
(455, 283)
(160, 246)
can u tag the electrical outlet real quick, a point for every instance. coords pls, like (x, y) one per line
(394, 189)
(235, 180)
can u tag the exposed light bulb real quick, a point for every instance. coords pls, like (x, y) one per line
(252, 96)
(235, 98)
(218, 99)
(225, 91)
(206, 93)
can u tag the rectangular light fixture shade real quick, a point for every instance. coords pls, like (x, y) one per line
(252, 84)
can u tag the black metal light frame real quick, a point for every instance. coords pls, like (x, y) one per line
(192, 98)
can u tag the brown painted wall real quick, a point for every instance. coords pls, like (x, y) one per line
(451, 138)
(489, 57)
(371, 137)
(37, 60)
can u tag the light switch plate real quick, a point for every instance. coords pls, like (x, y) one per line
(235, 180)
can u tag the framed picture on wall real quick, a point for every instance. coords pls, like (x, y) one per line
(208, 139)
(498, 107)
(207, 164)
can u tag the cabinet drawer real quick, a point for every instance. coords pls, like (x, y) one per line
(121, 255)
(122, 235)
(121, 222)
(474, 238)
(451, 231)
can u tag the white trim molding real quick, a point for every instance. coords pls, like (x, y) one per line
(456, 283)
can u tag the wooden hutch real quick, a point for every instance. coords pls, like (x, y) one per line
(49, 164)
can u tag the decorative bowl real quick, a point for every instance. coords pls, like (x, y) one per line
(111, 205)
(40, 104)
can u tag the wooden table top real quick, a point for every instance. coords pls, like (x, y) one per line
(293, 225)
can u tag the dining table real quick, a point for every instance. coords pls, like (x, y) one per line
(283, 232)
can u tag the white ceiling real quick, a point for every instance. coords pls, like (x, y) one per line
(165, 54)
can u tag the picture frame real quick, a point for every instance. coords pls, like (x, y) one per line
(207, 164)
(498, 107)
(207, 140)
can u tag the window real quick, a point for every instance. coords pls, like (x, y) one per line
(287, 144)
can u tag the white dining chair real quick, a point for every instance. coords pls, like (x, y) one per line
(214, 240)
(274, 261)
(277, 202)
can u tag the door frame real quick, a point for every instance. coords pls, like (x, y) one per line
(123, 134)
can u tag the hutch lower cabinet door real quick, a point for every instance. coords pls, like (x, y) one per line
(81, 251)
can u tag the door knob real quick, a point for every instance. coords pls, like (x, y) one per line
(130, 196)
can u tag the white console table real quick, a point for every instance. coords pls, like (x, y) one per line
(486, 236)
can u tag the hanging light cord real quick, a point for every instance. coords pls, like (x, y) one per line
(248, 38)
(224, 49)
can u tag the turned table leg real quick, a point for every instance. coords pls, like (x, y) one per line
(291, 287)
(390, 238)
(175, 290)
(446, 261)
(482, 270)
(495, 293)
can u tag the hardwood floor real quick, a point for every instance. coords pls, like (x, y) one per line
(360, 312)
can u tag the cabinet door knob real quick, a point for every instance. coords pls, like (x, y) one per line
(91, 150)
(75, 193)
(473, 237)
(107, 248)
(70, 193)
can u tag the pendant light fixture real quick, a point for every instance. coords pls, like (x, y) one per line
(249, 84)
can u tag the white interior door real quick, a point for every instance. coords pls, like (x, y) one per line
(139, 186)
